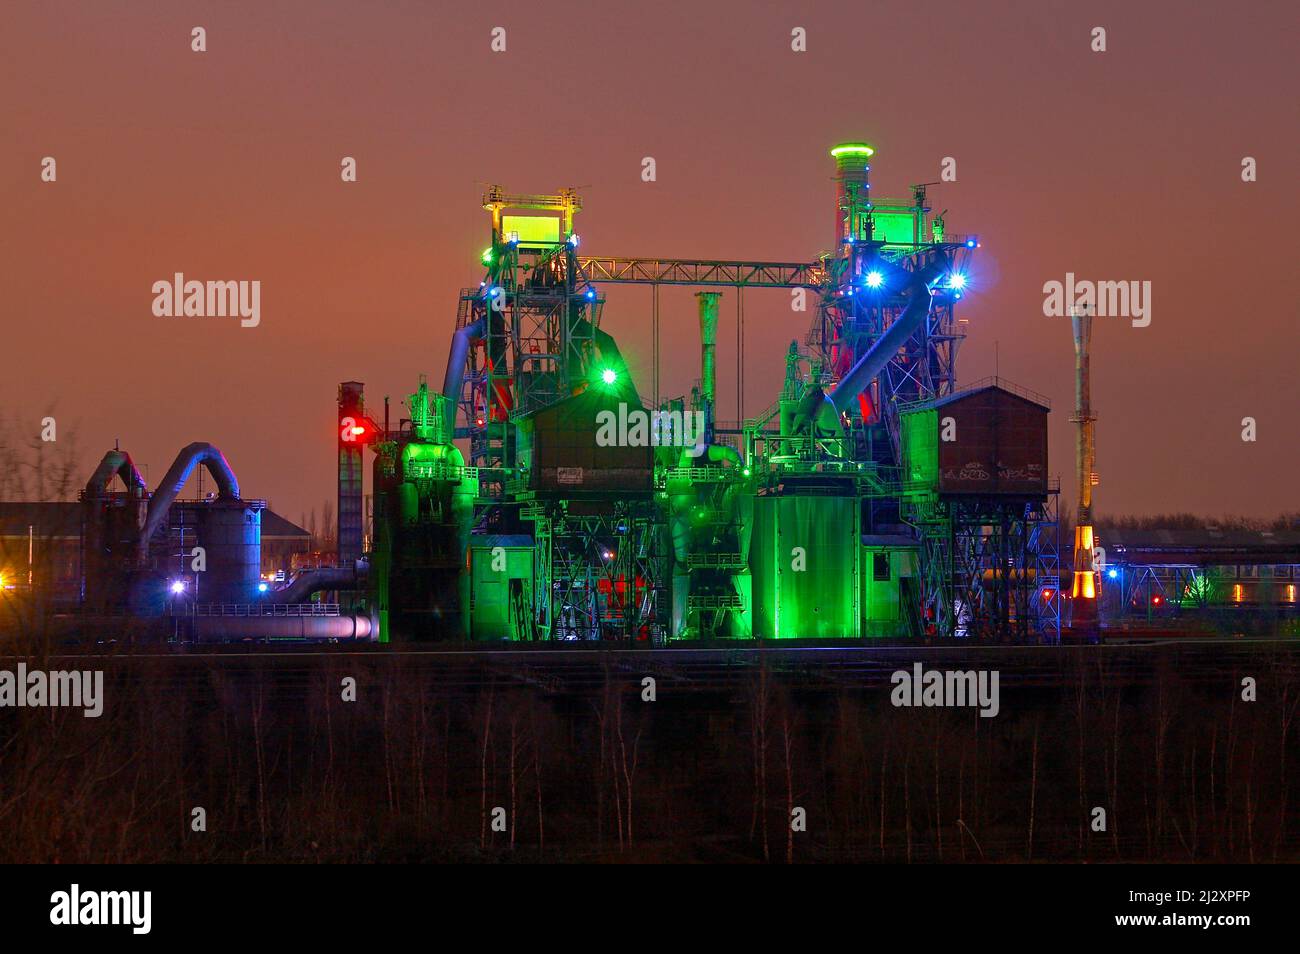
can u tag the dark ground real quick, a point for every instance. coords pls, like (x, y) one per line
(1157, 735)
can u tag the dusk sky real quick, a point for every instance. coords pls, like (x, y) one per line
(1122, 165)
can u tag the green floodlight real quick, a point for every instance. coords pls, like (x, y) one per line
(609, 375)
(487, 256)
(853, 149)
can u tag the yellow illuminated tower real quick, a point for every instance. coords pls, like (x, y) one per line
(1083, 592)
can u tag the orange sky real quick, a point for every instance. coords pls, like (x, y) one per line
(225, 165)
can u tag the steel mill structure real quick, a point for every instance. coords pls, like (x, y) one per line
(870, 499)
(540, 494)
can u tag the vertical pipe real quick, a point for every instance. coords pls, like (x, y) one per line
(708, 355)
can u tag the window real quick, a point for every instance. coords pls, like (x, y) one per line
(880, 567)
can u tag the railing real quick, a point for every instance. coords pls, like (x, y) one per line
(716, 561)
(263, 609)
(442, 471)
(700, 474)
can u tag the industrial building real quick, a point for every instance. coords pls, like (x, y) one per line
(541, 494)
(871, 498)
(1162, 575)
(41, 545)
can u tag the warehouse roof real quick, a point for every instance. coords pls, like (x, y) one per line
(63, 519)
(980, 387)
(57, 519)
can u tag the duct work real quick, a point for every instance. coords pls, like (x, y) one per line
(110, 533)
(819, 409)
(116, 463)
(457, 357)
(174, 481)
(309, 582)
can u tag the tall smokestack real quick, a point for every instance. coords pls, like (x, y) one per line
(350, 533)
(708, 348)
(1083, 593)
(852, 190)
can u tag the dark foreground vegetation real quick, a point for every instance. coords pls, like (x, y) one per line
(286, 770)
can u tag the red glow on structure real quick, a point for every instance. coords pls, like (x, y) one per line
(358, 429)
(864, 405)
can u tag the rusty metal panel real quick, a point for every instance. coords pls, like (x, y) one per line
(568, 459)
(1000, 445)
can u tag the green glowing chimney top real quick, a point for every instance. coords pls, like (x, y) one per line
(852, 149)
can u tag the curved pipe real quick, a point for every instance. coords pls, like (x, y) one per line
(456, 358)
(170, 488)
(119, 463)
(308, 582)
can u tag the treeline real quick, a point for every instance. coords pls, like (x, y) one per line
(1191, 521)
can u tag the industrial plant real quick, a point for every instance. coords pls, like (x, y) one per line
(542, 494)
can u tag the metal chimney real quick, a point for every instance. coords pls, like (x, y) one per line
(852, 191)
(708, 349)
(1083, 592)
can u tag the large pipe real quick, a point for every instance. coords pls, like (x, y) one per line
(308, 582)
(119, 463)
(459, 354)
(860, 376)
(823, 409)
(172, 484)
(343, 626)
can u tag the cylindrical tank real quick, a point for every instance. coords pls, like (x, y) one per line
(344, 626)
(230, 532)
(805, 562)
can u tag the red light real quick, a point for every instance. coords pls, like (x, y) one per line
(357, 430)
(1155, 600)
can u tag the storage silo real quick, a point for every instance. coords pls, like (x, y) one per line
(230, 533)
